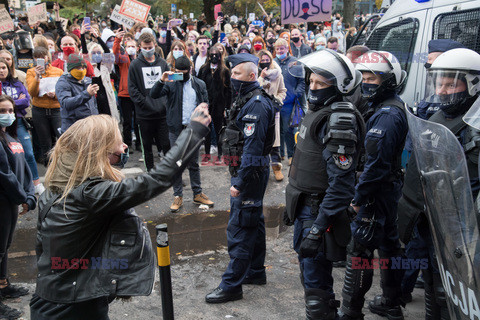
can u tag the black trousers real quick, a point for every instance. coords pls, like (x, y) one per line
(151, 131)
(47, 123)
(217, 120)
(128, 113)
(8, 221)
(95, 309)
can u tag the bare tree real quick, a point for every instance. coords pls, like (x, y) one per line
(349, 12)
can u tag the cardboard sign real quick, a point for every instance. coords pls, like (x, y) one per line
(135, 10)
(121, 19)
(294, 11)
(173, 7)
(216, 10)
(180, 11)
(191, 15)
(6, 22)
(251, 17)
(37, 13)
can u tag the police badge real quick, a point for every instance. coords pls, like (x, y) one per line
(249, 129)
(342, 161)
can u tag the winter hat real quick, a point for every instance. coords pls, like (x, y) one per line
(75, 60)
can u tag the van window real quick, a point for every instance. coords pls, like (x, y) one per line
(462, 26)
(397, 38)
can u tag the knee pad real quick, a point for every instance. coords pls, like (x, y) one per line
(320, 304)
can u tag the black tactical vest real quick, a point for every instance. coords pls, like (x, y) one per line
(308, 170)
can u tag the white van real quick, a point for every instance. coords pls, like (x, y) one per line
(408, 25)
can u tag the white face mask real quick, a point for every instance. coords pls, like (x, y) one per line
(131, 51)
(177, 53)
(6, 119)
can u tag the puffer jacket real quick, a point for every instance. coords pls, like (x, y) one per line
(76, 228)
(75, 102)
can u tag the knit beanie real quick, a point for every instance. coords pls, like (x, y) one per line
(75, 60)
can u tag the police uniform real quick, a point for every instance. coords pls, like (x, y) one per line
(247, 140)
(377, 193)
(321, 186)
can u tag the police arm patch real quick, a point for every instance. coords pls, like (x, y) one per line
(249, 129)
(343, 161)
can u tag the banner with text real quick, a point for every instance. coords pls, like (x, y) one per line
(37, 13)
(6, 22)
(294, 11)
(121, 19)
(135, 10)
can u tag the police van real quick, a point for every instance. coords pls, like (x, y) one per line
(405, 28)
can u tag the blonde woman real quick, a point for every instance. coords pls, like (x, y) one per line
(271, 79)
(86, 199)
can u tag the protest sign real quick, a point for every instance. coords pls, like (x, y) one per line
(135, 10)
(251, 16)
(294, 11)
(37, 13)
(191, 15)
(6, 22)
(121, 19)
(216, 10)
(47, 85)
(180, 11)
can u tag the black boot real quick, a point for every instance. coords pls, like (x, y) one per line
(386, 308)
(320, 305)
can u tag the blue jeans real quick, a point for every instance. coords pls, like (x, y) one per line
(317, 271)
(26, 142)
(286, 135)
(193, 170)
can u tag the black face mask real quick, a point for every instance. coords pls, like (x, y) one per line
(214, 58)
(295, 39)
(427, 65)
(271, 41)
(320, 96)
(264, 65)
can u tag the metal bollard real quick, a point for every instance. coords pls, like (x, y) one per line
(163, 257)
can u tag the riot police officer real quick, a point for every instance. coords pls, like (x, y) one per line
(378, 190)
(247, 141)
(322, 176)
(454, 85)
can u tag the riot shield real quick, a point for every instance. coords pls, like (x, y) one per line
(452, 215)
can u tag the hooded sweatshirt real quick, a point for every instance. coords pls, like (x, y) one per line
(142, 75)
(14, 89)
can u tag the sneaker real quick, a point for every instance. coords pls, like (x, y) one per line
(213, 149)
(290, 161)
(206, 160)
(220, 161)
(9, 313)
(277, 171)
(11, 291)
(202, 198)
(177, 204)
(39, 189)
(379, 305)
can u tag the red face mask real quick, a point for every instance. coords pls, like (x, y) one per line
(68, 51)
(77, 33)
(257, 47)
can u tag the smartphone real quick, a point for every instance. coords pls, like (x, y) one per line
(96, 80)
(41, 62)
(220, 14)
(176, 76)
(222, 36)
(86, 20)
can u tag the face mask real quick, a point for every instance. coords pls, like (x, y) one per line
(449, 103)
(7, 119)
(257, 47)
(137, 35)
(52, 51)
(104, 24)
(214, 59)
(271, 41)
(122, 159)
(251, 38)
(320, 47)
(237, 85)
(67, 51)
(148, 53)
(163, 34)
(295, 39)
(177, 54)
(78, 74)
(110, 44)
(264, 65)
(131, 51)
(97, 57)
(320, 96)
(427, 65)
(369, 89)
(191, 52)
(282, 56)
(249, 46)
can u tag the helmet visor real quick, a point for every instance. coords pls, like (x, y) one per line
(472, 117)
(23, 41)
(446, 87)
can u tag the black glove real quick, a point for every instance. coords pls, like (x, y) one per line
(311, 244)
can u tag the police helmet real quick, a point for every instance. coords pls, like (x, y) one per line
(334, 66)
(23, 41)
(385, 65)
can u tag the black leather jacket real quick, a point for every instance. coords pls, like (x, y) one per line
(78, 229)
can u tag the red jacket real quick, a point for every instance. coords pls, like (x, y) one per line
(59, 63)
(123, 62)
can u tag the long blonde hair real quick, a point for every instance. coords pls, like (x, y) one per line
(89, 142)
